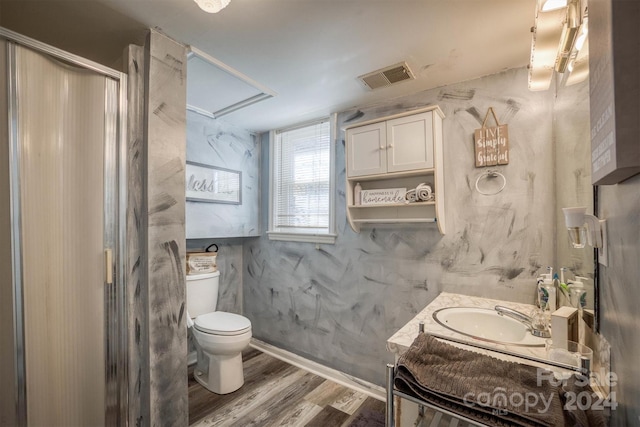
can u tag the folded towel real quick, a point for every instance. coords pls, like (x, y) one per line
(411, 196)
(483, 388)
(423, 192)
(575, 412)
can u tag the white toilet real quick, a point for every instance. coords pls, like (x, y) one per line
(219, 337)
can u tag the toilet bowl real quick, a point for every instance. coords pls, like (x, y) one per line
(219, 337)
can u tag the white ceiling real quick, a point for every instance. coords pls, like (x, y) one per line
(310, 52)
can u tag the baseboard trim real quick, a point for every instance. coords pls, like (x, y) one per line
(315, 368)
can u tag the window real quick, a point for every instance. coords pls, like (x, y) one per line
(301, 204)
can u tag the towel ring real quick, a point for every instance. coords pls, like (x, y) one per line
(491, 174)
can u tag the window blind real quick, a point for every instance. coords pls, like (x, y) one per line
(302, 179)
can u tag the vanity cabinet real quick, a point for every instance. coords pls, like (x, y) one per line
(399, 151)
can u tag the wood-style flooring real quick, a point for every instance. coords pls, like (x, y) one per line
(278, 394)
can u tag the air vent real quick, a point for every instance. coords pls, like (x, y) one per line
(387, 76)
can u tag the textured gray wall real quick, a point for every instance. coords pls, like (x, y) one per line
(338, 304)
(620, 294)
(229, 262)
(165, 65)
(217, 143)
(136, 275)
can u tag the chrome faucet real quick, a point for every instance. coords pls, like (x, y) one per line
(537, 329)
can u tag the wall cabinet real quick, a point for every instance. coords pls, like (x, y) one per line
(400, 151)
(395, 145)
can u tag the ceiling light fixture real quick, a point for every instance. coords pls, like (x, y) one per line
(212, 6)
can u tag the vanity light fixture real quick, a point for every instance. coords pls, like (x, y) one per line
(558, 24)
(553, 5)
(212, 6)
(569, 34)
(584, 229)
(578, 67)
(545, 40)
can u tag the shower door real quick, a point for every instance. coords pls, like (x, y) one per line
(64, 128)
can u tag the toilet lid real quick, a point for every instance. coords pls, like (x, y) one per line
(221, 323)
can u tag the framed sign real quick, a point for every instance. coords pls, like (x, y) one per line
(212, 184)
(383, 196)
(492, 143)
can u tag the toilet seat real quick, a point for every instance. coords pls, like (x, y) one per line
(222, 323)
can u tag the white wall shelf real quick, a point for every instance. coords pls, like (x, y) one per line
(393, 220)
(399, 151)
(394, 205)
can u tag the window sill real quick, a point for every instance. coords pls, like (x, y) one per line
(302, 237)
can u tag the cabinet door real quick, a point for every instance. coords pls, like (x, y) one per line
(366, 150)
(410, 143)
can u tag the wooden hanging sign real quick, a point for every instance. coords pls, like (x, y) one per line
(492, 143)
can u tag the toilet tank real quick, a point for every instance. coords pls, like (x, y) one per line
(202, 293)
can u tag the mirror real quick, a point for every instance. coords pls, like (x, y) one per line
(573, 183)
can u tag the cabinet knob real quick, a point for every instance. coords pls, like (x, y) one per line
(390, 146)
(381, 147)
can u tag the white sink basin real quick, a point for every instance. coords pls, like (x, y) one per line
(486, 324)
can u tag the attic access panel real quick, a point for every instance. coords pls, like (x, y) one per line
(216, 89)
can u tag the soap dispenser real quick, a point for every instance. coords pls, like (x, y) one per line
(578, 293)
(542, 297)
(547, 291)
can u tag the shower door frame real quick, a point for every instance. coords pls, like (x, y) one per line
(115, 203)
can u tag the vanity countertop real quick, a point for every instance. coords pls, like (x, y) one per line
(399, 342)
